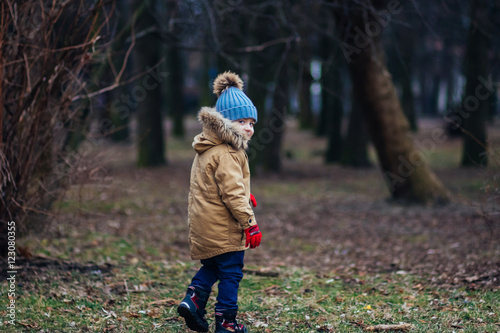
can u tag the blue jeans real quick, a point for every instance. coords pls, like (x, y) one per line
(227, 269)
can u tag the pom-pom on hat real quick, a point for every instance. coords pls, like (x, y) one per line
(232, 102)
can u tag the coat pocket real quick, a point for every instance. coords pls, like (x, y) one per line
(236, 234)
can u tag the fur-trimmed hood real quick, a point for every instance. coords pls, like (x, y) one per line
(217, 130)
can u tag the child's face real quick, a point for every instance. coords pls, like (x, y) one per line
(246, 125)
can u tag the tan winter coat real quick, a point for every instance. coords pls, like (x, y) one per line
(219, 197)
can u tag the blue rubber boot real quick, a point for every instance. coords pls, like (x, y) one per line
(226, 322)
(192, 309)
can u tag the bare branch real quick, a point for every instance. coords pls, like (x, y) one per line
(129, 50)
(37, 83)
(115, 84)
(263, 46)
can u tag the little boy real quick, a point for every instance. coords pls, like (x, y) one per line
(221, 221)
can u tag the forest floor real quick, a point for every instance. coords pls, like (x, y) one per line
(336, 255)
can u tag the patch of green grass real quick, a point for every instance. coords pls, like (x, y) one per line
(95, 247)
(122, 207)
(443, 158)
(72, 206)
(142, 297)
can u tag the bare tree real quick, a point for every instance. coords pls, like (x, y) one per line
(119, 110)
(332, 90)
(44, 54)
(261, 72)
(151, 141)
(404, 169)
(477, 96)
(175, 67)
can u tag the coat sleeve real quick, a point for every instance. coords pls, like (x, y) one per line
(229, 176)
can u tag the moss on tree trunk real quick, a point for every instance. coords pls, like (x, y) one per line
(404, 169)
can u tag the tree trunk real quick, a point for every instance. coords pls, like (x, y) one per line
(174, 101)
(355, 152)
(151, 145)
(332, 89)
(407, 43)
(175, 91)
(233, 33)
(493, 108)
(406, 174)
(120, 116)
(275, 122)
(428, 87)
(433, 107)
(119, 110)
(408, 101)
(400, 62)
(449, 73)
(257, 92)
(261, 69)
(324, 117)
(306, 117)
(207, 97)
(404, 64)
(477, 97)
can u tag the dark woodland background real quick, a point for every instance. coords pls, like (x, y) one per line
(361, 74)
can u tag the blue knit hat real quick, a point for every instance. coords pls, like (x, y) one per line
(232, 102)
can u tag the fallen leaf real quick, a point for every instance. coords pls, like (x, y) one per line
(154, 314)
(109, 302)
(27, 324)
(322, 299)
(24, 252)
(133, 315)
(457, 326)
(472, 278)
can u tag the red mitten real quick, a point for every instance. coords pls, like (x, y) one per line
(254, 236)
(252, 199)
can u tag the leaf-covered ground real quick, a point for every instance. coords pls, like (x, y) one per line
(336, 256)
